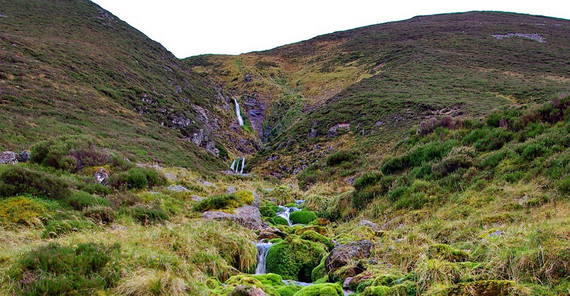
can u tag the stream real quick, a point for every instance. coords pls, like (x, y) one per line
(264, 246)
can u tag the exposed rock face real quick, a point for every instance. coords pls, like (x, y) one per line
(177, 188)
(271, 233)
(24, 156)
(244, 290)
(102, 176)
(333, 131)
(342, 255)
(8, 157)
(247, 216)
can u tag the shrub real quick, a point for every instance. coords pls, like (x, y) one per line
(494, 159)
(23, 210)
(367, 179)
(80, 200)
(138, 178)
(223, 201)
(339, 157)
(69, 153)
(100, 214)
(147, 216)
(62, 227)
(532, 151)
(564, 185)
(302, 217)
(18, 180)
(60, 270)
(459, 157)
(493, 140)
(96, 188)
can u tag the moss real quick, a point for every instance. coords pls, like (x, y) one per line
(446, 252)
(244, 197)
(321, 290)
(377, 291)
(279, 221)
(319, 271)
(488, 287)
(23, 210)
(318, 229)
(294, 258)
(319, 238)
(302, 217)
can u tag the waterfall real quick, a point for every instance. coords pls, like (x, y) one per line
(238, 165)
(238, 113)
(286, 211)
(262, 249)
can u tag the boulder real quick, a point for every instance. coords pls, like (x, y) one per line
(370, 224)
(295, 258)
(231, 190)
(271, 233)
(256, 200)
(333, 131)
(345, 254)
(244, 290)
(24, 156)
(247, 216)
(102, 176)
(8, 157)
(177, 188)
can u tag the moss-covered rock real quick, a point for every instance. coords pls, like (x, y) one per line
(302, 217)
(239, 284)
(318, 229)
(295, 258)
(319, 271)
(318, 238)
(279, 221)
(488, 287)
(321, 290)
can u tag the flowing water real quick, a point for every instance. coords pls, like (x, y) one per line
(238, 165)
(262, 249)
(285, 212)
(238, 113)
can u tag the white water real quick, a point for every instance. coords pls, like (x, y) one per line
(286, 211)
(238, 113)
(262, 249)
(238, 165)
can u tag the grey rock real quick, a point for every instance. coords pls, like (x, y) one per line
(101, 176)
(497, 233)
(333, 131)
(368, 223)
(24, 156)
(206, 183)
(312, 133)
(244, 290)
(197, 198)
(344, 254)
(177, 188)
(346, 283)
(231, 190)
(256, 199)
(8, 157)
(247, 216)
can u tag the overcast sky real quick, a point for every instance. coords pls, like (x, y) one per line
(190, 27)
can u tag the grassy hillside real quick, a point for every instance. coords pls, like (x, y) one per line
(385, 78)
(72, 68)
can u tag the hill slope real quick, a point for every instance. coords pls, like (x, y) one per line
(71, 68)
(380, 80)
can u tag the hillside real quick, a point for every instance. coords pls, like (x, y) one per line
(378, 81)
(72, 68)
(423, 157)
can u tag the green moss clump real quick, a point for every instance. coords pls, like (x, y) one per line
(23, 210)
(267, 211)
(319, 271)
(295, 258)
(279, 221)
(321, 290)
(446, 252)
(319, 238)
(302, 217)
(488, 287)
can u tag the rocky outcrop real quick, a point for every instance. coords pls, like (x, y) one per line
(8, 157)
(333, 131)
(177, 188)
(247, 216)
(102, 176)
(344, 254)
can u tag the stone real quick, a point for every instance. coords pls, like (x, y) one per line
(177, 188)
(271, 233)
(370, 224)
(247, 216)
(345, 254)
(102, 176)
(8, 157)
(256, 200)
(346, 283)
(197, 198)
(231, 190)
(312, 133)
(206, 183)
(244, 290)
(24, 156)
(333, 131)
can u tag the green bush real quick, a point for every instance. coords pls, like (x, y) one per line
(494, 159)
(17, 180)
(138, 178)
(147, 216)
(532, 151)
(302, 217)
(69, 153)
(96, 188)
(100, 214)
(564, 185)
(80, 200)
(339, 157)
(60, 270)
(493, 140)
(367, 179)
(62, 227)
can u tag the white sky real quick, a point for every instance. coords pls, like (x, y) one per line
(192, 27)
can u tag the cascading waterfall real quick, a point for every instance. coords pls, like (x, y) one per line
(238, 113)
(286, 211)
(238, 165)
(262, 249)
